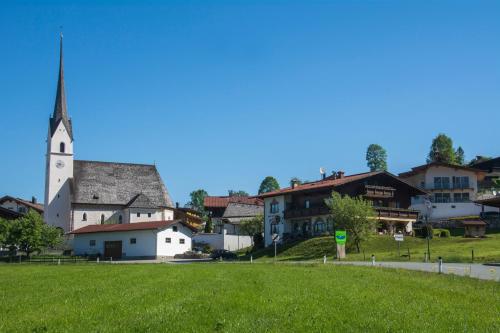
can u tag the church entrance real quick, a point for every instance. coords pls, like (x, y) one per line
(113, 249)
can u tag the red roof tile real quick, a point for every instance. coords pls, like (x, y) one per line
(129, 227)
(222, 202)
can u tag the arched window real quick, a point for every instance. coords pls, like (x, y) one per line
(120, 219)
(62, 147)
(84, 217)
(102, 218)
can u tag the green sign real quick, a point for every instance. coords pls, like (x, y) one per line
(340, 237)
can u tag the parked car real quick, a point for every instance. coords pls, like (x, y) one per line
(224, 254)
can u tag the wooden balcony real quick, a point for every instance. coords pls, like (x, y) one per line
(379, 192)
(388, 212)
(306, 212)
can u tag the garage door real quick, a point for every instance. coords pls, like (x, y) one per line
(113, 249)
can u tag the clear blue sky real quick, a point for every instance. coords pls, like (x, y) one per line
(221, 94)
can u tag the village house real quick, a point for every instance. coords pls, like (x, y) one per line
(20, 206)
(451, 191)
(83, 197)
(300, 210)
(226, 214)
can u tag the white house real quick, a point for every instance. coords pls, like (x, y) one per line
(141, 240)
(451, 190)
(19, 205)
(81, 193)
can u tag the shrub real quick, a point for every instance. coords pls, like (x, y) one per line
(445, 233)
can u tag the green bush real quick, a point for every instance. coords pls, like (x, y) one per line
(445, 233)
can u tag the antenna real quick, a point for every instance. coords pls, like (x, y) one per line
(322, 171)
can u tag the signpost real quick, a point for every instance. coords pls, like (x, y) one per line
(340, 239)
(399, 238)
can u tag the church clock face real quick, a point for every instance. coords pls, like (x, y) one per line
(59, 164)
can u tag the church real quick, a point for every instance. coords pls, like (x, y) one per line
(86, 197)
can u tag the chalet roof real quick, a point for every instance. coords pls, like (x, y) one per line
(118, 184)
(488, 165)
(424, 167)
(474, 223)
(235, 209)
(332, 183)
(60, 109)
(156, 225)
(35, 206)
(223, 201)
(492, 202)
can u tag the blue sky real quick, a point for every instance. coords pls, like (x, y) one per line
(220, 94)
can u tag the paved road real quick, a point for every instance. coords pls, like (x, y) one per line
(478, 271)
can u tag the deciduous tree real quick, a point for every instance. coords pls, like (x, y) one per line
(376, 158)
(239, 193)
(197, 199)
(253, 226)
(355, 215)
(442, 150)
(269, 184)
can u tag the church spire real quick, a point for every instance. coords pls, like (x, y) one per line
(60, 109)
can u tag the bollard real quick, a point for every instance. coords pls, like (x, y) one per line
(425, 257)
(324, 259)
(251, 259)
(58, 261)
(97, 259)
(440, 266)
(373, 260)
(472, 255)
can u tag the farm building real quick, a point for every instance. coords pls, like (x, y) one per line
(141, 240)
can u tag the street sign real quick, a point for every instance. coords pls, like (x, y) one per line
(398, 237)
(340, 237)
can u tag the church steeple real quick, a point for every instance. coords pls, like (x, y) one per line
(60, 109)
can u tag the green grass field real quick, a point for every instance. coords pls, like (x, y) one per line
(452, 249)
(241, 298)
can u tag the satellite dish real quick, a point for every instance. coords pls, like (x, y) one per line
(322, 170)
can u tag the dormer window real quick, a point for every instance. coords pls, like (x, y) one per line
(62, 147)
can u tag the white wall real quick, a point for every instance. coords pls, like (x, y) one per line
(145, 243)
(223, 241)
(156, 215)
(165, 249)
(57, 210)
(269, 218)
(94, 212)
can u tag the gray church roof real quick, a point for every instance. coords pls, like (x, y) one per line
(141, 201)
(118, 184)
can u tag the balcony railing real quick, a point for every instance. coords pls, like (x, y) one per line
(324, 210)
(373, 191)
(421, 201)
(396, 212)
(306, 212)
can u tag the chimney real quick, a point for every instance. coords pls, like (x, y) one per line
(340, 174)
(294, 183)
(177, 205)
(33, 200)
(334, 175)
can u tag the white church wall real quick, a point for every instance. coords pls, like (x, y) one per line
(147, 215)
(165, 249)
(59, 170)
(111, 215)
(145, 245)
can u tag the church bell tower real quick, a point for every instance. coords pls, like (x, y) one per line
(59, 159)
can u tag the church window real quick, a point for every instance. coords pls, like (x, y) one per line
(138, 214)
(84, 217)
(62, 147)
(133, 240)
(102, 218)
(120, 219)
(92, 242)
(174, 228)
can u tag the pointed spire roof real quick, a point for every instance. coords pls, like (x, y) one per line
(60, 109)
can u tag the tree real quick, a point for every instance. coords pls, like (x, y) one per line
(460, 156)
(253, 226)
(4, 232)
(376, 158)
(239, 193)
(51, 237)
(208, 225)
(197, 199)
(26, 232)
(269, 184)
(442, 150)
(355, 215)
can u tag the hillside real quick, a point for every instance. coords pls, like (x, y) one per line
(452, 249)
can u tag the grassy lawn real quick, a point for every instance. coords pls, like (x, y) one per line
(452, 249)
(241, 298)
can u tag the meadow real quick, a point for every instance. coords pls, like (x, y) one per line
(236, 297)
(385, 248)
